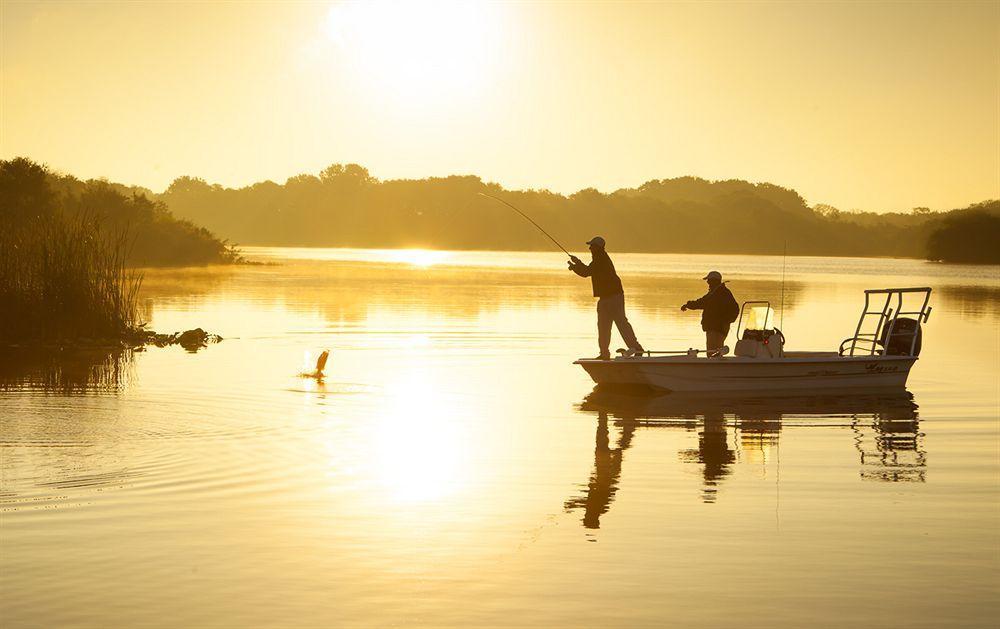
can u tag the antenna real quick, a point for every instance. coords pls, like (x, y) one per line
(784, 256)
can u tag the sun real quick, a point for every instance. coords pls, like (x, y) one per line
(419, 51)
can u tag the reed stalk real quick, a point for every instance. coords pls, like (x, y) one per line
(64, 279)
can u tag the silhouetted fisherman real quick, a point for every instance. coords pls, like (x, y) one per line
(719, 310)
(611, 298)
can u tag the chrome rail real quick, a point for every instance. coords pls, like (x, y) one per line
(887, 319)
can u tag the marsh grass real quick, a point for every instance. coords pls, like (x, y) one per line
(63, 278)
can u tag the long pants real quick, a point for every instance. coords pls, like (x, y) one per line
(714, 339)
(612, 309)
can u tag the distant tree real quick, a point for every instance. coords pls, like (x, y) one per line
(25, 191)
(336, 173)
(826, 211)
(587, 193)
(784, 198)
(188, 185)
(303, 181)
(968, 236)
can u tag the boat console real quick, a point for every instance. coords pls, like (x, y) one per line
(760, 339)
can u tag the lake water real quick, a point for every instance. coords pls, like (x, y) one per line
(455, 469)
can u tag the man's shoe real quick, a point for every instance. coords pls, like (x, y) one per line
(631, 352)
(603, 357)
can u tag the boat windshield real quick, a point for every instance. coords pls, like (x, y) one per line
(759, 318)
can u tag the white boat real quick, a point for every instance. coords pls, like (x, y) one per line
(880, 357)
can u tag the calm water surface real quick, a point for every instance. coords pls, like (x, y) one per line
(455, 468)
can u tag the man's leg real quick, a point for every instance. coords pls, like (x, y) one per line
(624, 327)
(715, 339)
(604, 327)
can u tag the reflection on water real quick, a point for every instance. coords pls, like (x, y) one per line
(65, 371)
(891, 448)
(973, 301)
(600, 492)
(885, 427)
(441, 469)
(713, 454)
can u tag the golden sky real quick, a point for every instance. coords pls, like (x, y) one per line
(873, 106)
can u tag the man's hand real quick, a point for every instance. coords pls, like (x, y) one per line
(684, 308)
(573, 261)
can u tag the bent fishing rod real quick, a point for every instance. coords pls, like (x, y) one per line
(527, 218)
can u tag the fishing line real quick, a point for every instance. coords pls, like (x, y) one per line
(527, 218)
(784, 255)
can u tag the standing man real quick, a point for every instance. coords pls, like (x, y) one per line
(719, 310)
(610, 298)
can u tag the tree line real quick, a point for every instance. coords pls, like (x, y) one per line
(344, 206)
(30, 193)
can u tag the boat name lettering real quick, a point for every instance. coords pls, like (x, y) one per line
(877, 368)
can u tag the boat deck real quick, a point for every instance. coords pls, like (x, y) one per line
(789, 357)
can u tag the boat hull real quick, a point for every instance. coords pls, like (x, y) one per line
(683, 373)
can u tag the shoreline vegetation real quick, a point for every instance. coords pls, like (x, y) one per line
(344, 206)
(69, 252)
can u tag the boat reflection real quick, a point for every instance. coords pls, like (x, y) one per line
(747, 429)
(891, 448)
(66, 371)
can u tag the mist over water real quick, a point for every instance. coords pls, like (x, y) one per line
(454, 467)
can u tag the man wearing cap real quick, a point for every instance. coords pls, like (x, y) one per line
(719, 310)
(610, 298)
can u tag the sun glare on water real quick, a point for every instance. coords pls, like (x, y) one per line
(418, 51)
(417, 257)
(418, 453)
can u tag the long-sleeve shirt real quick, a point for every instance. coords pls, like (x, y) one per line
(601, 272)
(719, 309)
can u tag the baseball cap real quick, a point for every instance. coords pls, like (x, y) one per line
(713, 275)
(596, 240)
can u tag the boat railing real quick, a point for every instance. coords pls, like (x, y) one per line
(691, 352)
(888, 317)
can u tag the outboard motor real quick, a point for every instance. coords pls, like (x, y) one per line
(903, 332)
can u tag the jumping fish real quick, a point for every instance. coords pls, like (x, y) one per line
(320, 365)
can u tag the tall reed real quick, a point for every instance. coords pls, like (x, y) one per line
(64, 278)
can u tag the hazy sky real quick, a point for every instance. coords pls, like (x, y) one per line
(860, 105)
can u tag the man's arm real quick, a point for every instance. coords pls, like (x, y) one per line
(577, 266)
(696, 304)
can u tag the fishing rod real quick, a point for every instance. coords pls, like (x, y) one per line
(527, 218)
(784, 256)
